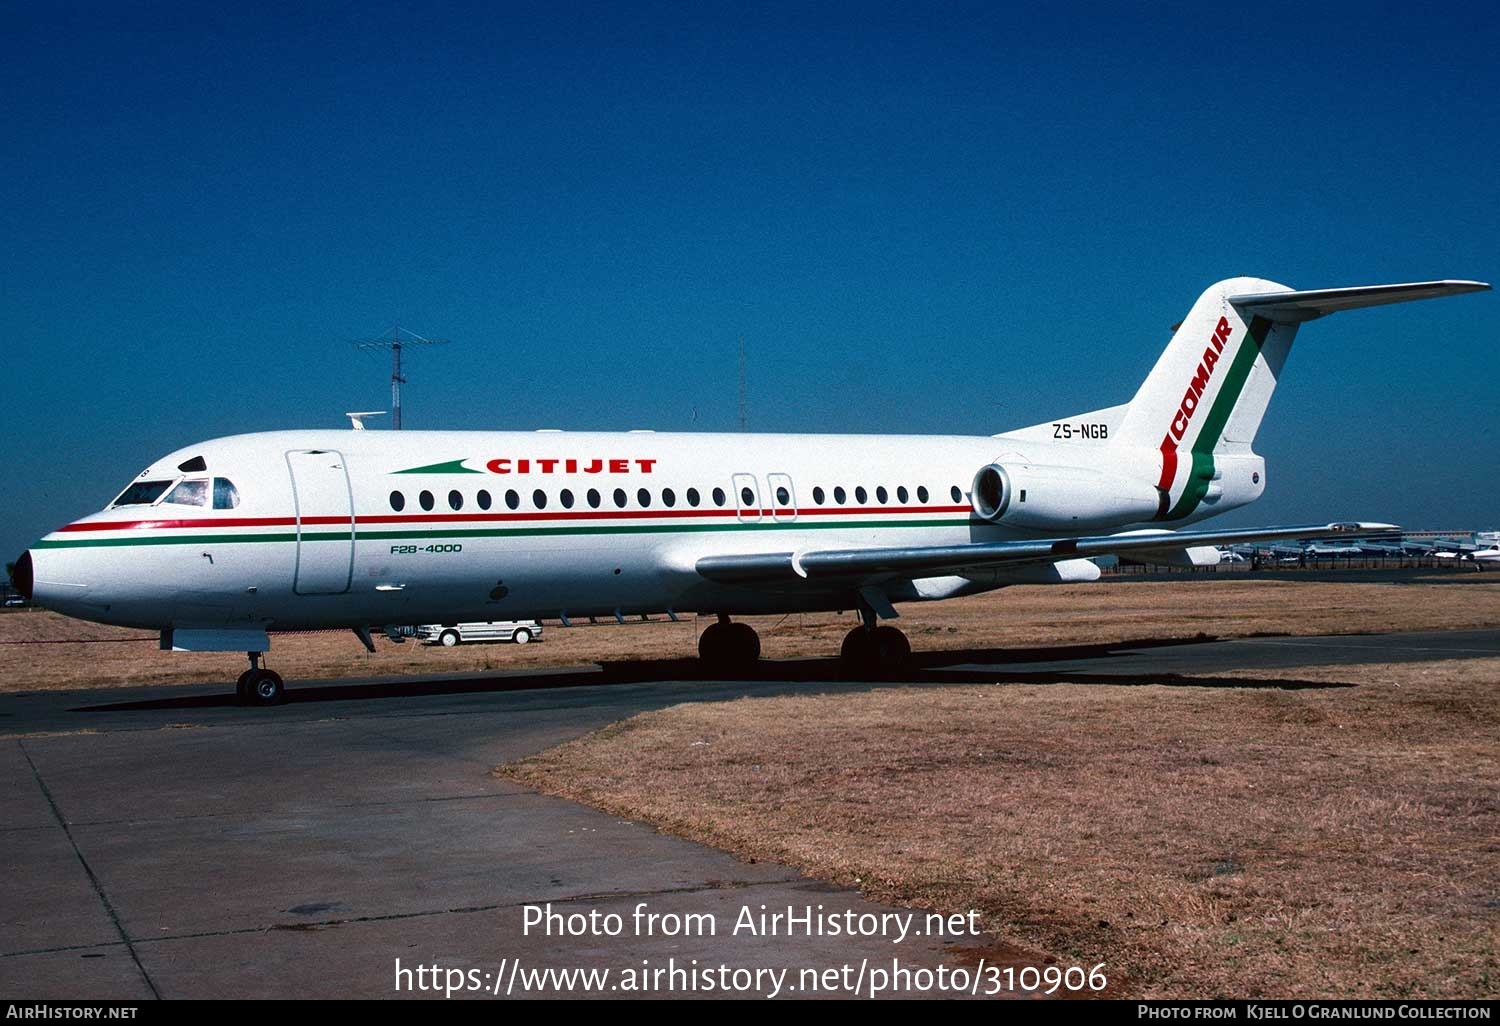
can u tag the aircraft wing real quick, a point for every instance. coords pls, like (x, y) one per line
(943, 560)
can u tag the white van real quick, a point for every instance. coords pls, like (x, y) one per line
(450, 634)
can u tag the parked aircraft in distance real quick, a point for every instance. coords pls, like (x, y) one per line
(1318, 551)
(219, 543)
(1480, 555)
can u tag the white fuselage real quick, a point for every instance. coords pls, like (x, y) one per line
(365, 528)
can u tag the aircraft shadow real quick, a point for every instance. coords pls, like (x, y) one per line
(949, 667)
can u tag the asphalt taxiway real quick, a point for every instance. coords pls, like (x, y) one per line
(166, 842)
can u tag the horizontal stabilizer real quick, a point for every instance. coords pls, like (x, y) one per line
(937, 560)
(1304, 306)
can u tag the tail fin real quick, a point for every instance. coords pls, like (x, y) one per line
(1212, 384)
(1209, 390)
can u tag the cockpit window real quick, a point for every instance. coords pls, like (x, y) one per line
(142, 493)
(226, 495)
(189, 493)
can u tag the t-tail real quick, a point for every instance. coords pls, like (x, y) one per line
(1203, 401)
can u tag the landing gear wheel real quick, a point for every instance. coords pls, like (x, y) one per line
(881, 651)
(521, 636)
(746, 643)
(895, 650)
(265, 687)
(448, 638)
(242, 688)
(729, 647)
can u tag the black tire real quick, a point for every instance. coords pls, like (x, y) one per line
(729, 648)
(745, 644)
(857, 654)
(521, 637)
(877, 653)
(449, 638)
(892, 647)
(713, 646)
(265, 687)
(242, 688)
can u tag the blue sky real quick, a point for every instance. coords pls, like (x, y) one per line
(920, 218)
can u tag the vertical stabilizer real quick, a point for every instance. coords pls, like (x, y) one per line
(1208, 392)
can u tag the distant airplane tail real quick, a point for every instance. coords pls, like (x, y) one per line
(1203, 401)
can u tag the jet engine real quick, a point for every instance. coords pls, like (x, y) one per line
(1051, 498)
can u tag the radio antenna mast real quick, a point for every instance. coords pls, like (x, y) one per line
(400, 338)
(744, 397)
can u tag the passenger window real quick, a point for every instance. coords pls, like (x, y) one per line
(921, 493)
(566, 498)
(512, 499)
(226, 495)
(783, 497)
(747, 497)
(668, 497)
(818, 495)
(426, 500)
(594, 498)
(719, 496)
(142, 493)
(860, 495)
(643, 497)
(881, 495)
(455, 500)
(539, 499)
(693, 497)
(483, 498)
(398, 501)
(958, 495)
(620, 499)
(901, 494)
(189, 493)
(839, 495)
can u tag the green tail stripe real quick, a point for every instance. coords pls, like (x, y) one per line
(451, 467)
(496, 532)
(1202, 473)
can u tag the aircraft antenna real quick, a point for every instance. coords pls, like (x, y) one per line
(400, 338)
(744, 397)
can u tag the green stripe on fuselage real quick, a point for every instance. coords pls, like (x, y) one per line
(495, 532)
(451, 467)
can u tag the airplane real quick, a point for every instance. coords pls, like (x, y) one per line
(1318, 551)
(1488, 555)
(220, 543)
(1480, 555)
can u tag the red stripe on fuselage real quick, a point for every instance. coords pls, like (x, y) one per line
(450, 518)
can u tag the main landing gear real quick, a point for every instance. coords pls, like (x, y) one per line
(869, 650)
(259, 686)
(729, 647)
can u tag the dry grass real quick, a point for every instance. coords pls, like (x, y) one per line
(1203, 841)
(1116, 609)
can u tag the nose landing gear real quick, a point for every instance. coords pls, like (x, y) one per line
(259, 686)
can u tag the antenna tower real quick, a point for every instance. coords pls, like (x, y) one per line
(400, 338)
(744, 399)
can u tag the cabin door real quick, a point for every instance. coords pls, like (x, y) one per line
(325, 522)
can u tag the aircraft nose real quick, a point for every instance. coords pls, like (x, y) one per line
(24, 578)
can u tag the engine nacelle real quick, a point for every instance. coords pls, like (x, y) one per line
(1060, 498)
